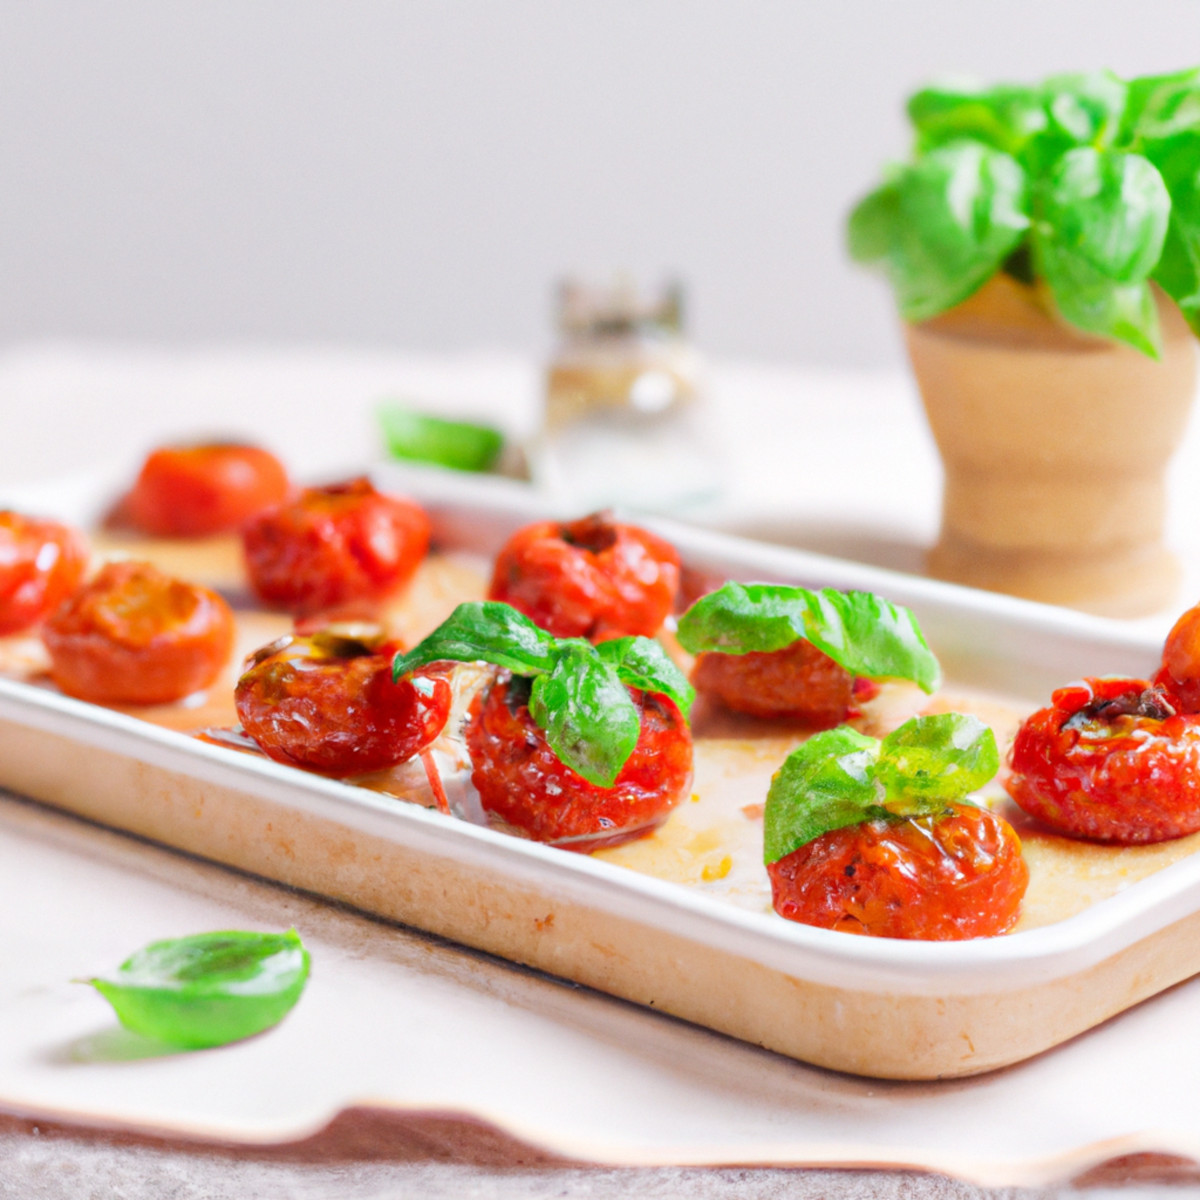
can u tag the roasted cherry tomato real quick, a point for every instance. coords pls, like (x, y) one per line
(522, 782)
(191, 491)
(797, 683)
(41, 564)
(1109, 759)
(1180, 672)
(328, 703)
(590, 578)
(957, 874)
(334, 549)
(133, 635)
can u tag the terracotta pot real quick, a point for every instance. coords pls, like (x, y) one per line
(1055, 446)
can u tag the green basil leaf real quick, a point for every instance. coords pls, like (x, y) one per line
(862, 632)
(579, 698)
(962, 210)
(870, 636)
(873, 224)
(1160, 107)
(641, 662)
(1095, 303)
(826, 783)
(935, 759)
(1086, 107)
(208, 989)
(483, 631)
(1178, 272)
(419, 437)
(1109, 210)
(1084, 181)
(1103, 219)
(1036, 125)
(589, 717)
(842, 777)
(739, 618)
(1004, 117)
(1081, 110)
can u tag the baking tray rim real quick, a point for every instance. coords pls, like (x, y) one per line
(1008, 963)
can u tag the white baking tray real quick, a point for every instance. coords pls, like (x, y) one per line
(870, 1006)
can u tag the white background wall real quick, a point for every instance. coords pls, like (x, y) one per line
(417, 173)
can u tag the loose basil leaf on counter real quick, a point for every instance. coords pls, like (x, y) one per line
(862, 632)
(419, 437)
(483, 631)
(842, 778)
(590, 720)
(210, 988)
(579, 698)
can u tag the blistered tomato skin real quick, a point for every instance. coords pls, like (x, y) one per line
(592, 578)
(133, 635)
(337, 549)
(193, 491)
(338, 713)
(41, 564)
(798, 683)
(1180, 672)
(1111, 760)
(521, 781)
(955, 875)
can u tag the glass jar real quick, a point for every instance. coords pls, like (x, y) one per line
(622, 421)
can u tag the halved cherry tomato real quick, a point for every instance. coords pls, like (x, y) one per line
(797, 683)
(133, 635)
(328, 703)
(522, 782)
(592, 578)
(342, 548)
(1110, 759)
(957, 874)
(191, 491)
(41, 564)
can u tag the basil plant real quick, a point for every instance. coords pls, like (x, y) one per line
(1086, 185)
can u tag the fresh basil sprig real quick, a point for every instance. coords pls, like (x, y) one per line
(1090, 180)
(862, 632)
(210, 988)
(578, 698)
(942, 226)
(843, 777)
(1102, 220)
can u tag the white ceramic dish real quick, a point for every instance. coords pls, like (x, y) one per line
(873, 1007)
